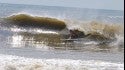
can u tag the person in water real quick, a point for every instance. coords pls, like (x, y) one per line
(76, 34)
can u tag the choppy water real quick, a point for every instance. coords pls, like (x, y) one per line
(42, 48)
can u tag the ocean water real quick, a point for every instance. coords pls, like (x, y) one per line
(26, 43)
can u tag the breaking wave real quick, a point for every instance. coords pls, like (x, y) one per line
(101, 33)
(26, 20)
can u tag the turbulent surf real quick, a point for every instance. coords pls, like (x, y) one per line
(38, 37)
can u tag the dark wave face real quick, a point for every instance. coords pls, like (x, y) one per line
(25, 20)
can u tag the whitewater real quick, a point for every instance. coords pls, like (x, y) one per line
(9, 62)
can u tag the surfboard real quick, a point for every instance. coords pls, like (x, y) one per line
(78, 39)
(69, 39)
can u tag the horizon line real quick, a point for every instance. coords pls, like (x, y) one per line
(61, 6)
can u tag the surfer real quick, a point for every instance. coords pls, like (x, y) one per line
(77, 34)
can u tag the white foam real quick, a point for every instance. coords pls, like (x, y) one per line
(9, 62)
